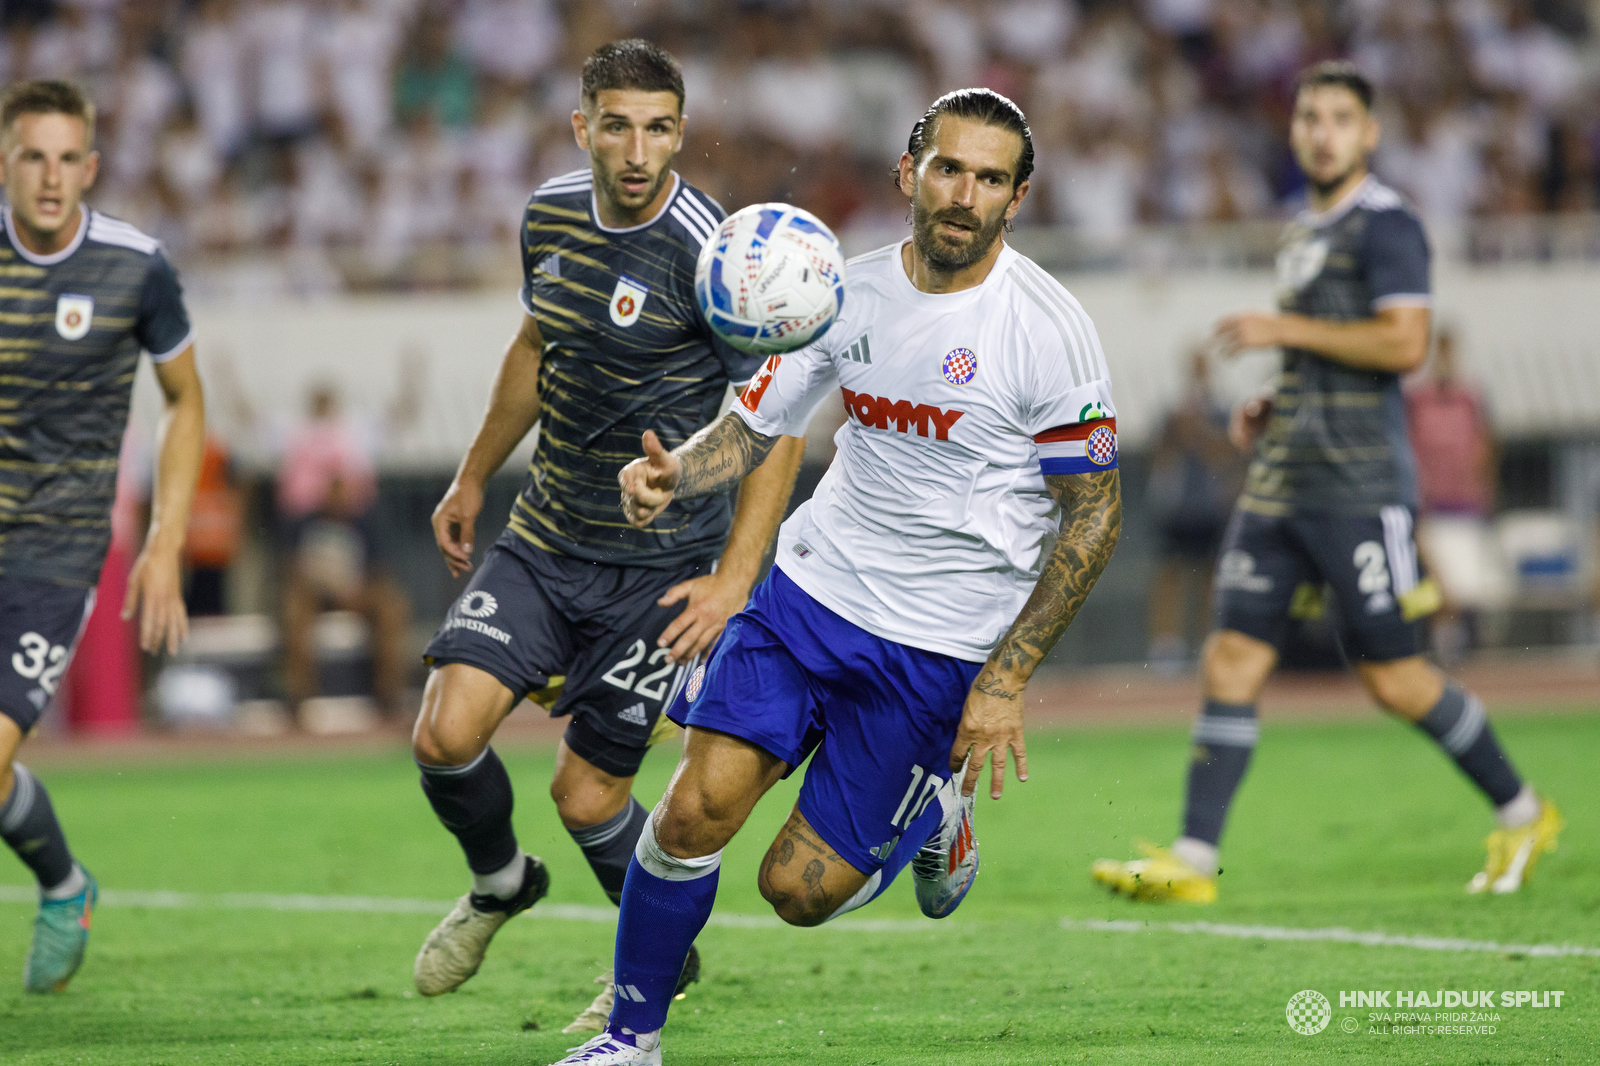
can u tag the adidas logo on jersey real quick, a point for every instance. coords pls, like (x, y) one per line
(879, 411)
(551, 264)
(634, 715)
(858, 351)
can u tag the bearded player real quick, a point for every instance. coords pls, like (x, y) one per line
(84, 295)
(1330, 500)
(971, 507)
(570, 598)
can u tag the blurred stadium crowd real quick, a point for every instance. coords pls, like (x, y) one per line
(376, 140)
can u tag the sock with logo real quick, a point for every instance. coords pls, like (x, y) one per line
(610, 845)
(28, 825)
(665, 903)
(1224, 738)
(1459, 726)
(474, 802)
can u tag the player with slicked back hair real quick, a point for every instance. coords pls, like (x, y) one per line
(85, 294)
(570, 606)
(1330, 501)
(972, 505)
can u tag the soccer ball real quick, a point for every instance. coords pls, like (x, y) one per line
(771, 279)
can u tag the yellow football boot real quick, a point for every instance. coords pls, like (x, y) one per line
(1513, 852)
(1157, 877)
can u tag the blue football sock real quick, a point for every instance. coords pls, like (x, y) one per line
(665, 903)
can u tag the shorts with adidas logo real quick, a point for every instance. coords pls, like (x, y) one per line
(876, 718)
(40, 622)
(528, 616)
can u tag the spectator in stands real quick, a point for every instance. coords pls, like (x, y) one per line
(1456, 486)
(434, 80)
(1196, 473)
(327, 505)
(216, 528)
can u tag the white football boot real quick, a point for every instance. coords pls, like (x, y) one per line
(616, 1049)
(455, 949)
(947, 864)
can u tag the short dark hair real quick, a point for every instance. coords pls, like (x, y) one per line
(1335, 72)
(982, 105)
(630, 64)
(46, 98)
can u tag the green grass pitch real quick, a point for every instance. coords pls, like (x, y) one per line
(1359, 824)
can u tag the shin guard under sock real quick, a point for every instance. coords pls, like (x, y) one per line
(609, 846)
(665, 903)
(28, 825)
(1459, 726)
(1224, 738)
(474, 802)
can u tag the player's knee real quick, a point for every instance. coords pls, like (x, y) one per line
(791, 900)
(1400, 689)
(436, 741)
(1234, 661)
(582, 802)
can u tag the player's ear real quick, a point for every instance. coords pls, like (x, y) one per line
(1374, 133)
(91, 168)
(580, 129)
(1016, 201)
(908, 172)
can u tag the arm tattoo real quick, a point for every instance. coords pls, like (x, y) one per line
(1091, 521)
(719, 456)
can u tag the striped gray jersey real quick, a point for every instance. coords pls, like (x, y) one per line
(1337, 441)
(72, 326)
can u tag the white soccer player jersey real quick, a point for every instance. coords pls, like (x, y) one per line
(931, 525)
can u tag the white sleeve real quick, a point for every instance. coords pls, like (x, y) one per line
(1070, 413)
(786, 392)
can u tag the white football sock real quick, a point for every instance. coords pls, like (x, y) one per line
(1197, 853)
(504, 882)
(1520, 810)
(74, 884)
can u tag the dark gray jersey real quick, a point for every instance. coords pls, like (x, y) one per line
(625, 350)
(72, 325)
(1336, 441)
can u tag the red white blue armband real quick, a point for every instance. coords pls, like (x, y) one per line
(1081, 448)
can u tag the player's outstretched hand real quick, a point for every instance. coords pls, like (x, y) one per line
(454, 521)
(991, 724)
(648, 483)
(155, 593)
(1244, 331)
(1249, 421)
(713, 600)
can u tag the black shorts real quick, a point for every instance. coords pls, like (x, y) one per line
(1275, 568)
(40, 623)
(528, 616)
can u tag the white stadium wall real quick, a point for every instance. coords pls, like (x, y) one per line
(1527, 334)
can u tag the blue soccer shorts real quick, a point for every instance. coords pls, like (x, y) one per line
(793, 678)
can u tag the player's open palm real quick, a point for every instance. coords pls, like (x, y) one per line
(155, 594)
(991, 725)
(649, 482)
(454, 522)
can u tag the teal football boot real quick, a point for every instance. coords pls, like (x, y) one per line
(60, 934)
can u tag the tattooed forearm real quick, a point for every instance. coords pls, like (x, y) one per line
(719, 456)
(1091, 521)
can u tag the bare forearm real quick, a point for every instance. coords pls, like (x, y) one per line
(513, 409)
(718, 456)
(181, 443)
(1392, 343)
(1091, 521)
(763, 497)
